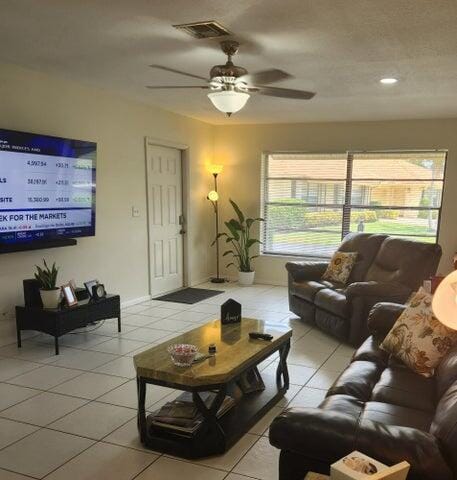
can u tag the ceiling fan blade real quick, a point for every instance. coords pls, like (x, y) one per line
(285, 92)
(265, 76)
(153, 87)
(179, 72)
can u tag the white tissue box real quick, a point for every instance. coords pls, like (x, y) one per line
(341, 470)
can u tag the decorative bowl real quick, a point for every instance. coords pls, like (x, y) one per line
(182, 354)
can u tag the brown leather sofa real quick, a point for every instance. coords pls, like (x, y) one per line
(387, 269)
(379, 407)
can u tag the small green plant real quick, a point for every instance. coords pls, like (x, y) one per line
(240, 237)
(47, 276)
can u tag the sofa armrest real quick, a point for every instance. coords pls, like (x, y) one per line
(308, 270)
(327, 436)
(314, 433)
(383, 316)
(362, 296)
(378, 289)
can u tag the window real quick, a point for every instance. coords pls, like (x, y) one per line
(310, 202)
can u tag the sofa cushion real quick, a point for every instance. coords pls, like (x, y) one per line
(405, 262)
(333, 301)
(357, 380)
(389, 414)
(341, 403)
(307, 290)
(367, 246)
(417, 338)
(396, 384)
(402, 387)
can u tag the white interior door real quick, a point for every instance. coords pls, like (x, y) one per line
(164, 180)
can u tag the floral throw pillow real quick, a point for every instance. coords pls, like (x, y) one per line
(340, 267)
(418, 338)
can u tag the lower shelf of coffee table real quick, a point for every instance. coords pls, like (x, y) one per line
(235, 423)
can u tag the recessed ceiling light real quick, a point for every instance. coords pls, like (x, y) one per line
(388, 81)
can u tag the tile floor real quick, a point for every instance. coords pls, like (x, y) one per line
(73, 415)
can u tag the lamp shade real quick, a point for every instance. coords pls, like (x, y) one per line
(215, 169)
(445, 301)
(213, 196)
(228, 101)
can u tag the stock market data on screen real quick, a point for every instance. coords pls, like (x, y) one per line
(47, 187)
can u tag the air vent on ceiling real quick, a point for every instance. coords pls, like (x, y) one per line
(208, 29)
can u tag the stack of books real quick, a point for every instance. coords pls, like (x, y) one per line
(182, 416)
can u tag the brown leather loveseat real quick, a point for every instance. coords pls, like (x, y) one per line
(387, 269)
(379, 407)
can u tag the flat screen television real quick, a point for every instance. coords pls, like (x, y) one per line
(47, 188)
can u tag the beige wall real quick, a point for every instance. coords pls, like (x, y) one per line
(239, 148)
(117, 255)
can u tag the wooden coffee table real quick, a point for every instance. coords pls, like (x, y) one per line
(236, 354)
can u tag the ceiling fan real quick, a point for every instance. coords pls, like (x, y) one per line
(232, 85)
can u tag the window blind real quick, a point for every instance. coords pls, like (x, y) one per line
(311, 201)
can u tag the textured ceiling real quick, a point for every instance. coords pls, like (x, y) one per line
(337, 48)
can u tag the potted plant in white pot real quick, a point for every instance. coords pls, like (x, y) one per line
(47, 277)
(240, 237)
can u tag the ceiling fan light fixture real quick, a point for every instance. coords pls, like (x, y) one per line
(229, 101)
(388, 81)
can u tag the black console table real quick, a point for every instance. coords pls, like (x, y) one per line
(59, 321)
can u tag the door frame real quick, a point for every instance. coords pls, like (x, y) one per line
(158, 142)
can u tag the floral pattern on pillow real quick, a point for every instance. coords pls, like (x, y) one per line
(340, 267)
(418, 338)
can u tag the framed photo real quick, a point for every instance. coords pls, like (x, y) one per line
(69, 295)
(89, 285)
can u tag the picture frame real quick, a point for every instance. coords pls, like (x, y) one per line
(69, 295)
(88, 285)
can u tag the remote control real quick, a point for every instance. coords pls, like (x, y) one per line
(262, 336)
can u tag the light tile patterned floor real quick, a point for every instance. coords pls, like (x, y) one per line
(73, 415)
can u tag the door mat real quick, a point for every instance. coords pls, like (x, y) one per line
(189, 295)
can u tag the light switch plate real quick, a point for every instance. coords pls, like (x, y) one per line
(135, 212)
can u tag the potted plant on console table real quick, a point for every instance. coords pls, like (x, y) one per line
(47, 277)
(241, 239)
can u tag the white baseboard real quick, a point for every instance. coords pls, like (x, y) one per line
(271, 282)
(135, 301)
(199, 281)
(259, 281)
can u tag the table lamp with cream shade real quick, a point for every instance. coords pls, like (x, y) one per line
(445, 301)
(213, 197)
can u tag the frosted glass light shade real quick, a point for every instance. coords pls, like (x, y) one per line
(213, 196)
(445, 301)
(228, 101)
(215, 169)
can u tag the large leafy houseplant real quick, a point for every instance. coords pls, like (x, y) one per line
(240, 237)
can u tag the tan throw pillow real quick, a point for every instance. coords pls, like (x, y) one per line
(418, 338)
(340, 267)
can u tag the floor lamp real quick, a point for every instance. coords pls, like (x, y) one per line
(213, 197)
